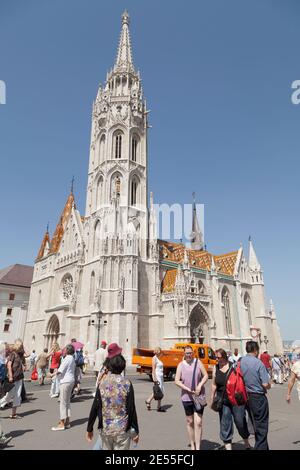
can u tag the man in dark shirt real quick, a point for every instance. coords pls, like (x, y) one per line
(257, 383)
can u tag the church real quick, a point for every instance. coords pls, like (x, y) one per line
(106, 275)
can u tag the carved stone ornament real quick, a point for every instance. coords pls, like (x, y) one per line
(67, 287)
(119, 113)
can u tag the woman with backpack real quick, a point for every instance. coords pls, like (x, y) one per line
(227, 411)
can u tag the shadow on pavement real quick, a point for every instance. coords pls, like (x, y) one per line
(30, 412)
(166, 407)
(78, 422)
(79, 398)
(19, 432)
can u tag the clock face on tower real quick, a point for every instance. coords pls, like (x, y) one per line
(254, 333)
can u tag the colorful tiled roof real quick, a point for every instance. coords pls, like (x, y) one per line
(202, 259)
(168, 283)
(46, 240)
(60, 228)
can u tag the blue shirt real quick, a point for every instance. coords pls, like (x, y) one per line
(255, 374)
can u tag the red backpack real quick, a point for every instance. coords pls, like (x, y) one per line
(235, 387)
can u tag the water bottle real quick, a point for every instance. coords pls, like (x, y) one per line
(133, 433)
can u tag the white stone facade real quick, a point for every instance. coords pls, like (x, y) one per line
(102, 275)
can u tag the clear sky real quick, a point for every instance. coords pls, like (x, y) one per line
(217, 77)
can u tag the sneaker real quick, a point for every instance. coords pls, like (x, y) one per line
(4, 440)
(58, 428)
(56, 395)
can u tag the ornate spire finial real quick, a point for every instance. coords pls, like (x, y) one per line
(72, 184)
(47, 229)
(194, 196)
(124, 57)
(125, 18)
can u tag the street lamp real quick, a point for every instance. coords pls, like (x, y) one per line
(98, 327)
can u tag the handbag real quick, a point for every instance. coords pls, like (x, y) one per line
(199, 400)
(5, 387)
(34, 375)
(217, 403)
(157, 392)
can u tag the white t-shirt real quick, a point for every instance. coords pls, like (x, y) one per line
(67, 370)
(234, 358)
(100, 356)
(296, 369)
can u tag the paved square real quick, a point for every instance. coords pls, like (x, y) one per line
(157, 430)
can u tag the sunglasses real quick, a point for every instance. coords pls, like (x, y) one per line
(189, 353)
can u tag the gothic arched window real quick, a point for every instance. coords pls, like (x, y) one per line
(226, 307)
(99, 193)
(96, 244)
(247, 304)
(102, 148)
(134, 148)
(92, 288)
(134, 192)
(117, 144)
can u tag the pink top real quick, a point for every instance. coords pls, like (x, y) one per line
(187, 377)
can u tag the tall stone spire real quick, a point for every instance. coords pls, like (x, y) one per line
(253, 261)
(196, 234)
(124, 56)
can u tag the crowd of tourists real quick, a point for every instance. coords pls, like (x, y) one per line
(238, 390)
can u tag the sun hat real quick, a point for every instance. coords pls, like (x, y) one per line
(113, 350)
(103, 342)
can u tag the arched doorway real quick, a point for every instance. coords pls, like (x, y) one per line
(198, 325)
(52, 331)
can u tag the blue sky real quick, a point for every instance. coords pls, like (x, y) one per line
(217, 77)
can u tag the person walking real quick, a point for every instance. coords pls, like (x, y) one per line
(55, 355)
(15, 374)
(235, 357)
(277, 369)
(257, 383)
(228, 412)
(266, 360)
(99, 359)
(86, 361)
(4, 439)
(114, 405)
(184, 379)
(158, 377)
(42, 365)
(295, 376)
(32, 360)
(66, 373)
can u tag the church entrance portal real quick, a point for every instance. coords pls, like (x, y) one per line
(198, 325)
(52, 331)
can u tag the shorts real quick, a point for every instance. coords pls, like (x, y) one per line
(189, 408)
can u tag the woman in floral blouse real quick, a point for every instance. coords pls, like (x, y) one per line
(114, 405)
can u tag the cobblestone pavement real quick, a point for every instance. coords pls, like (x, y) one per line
(157, 430)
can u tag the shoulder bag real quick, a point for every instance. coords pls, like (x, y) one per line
(217, 403)
(199, 400)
